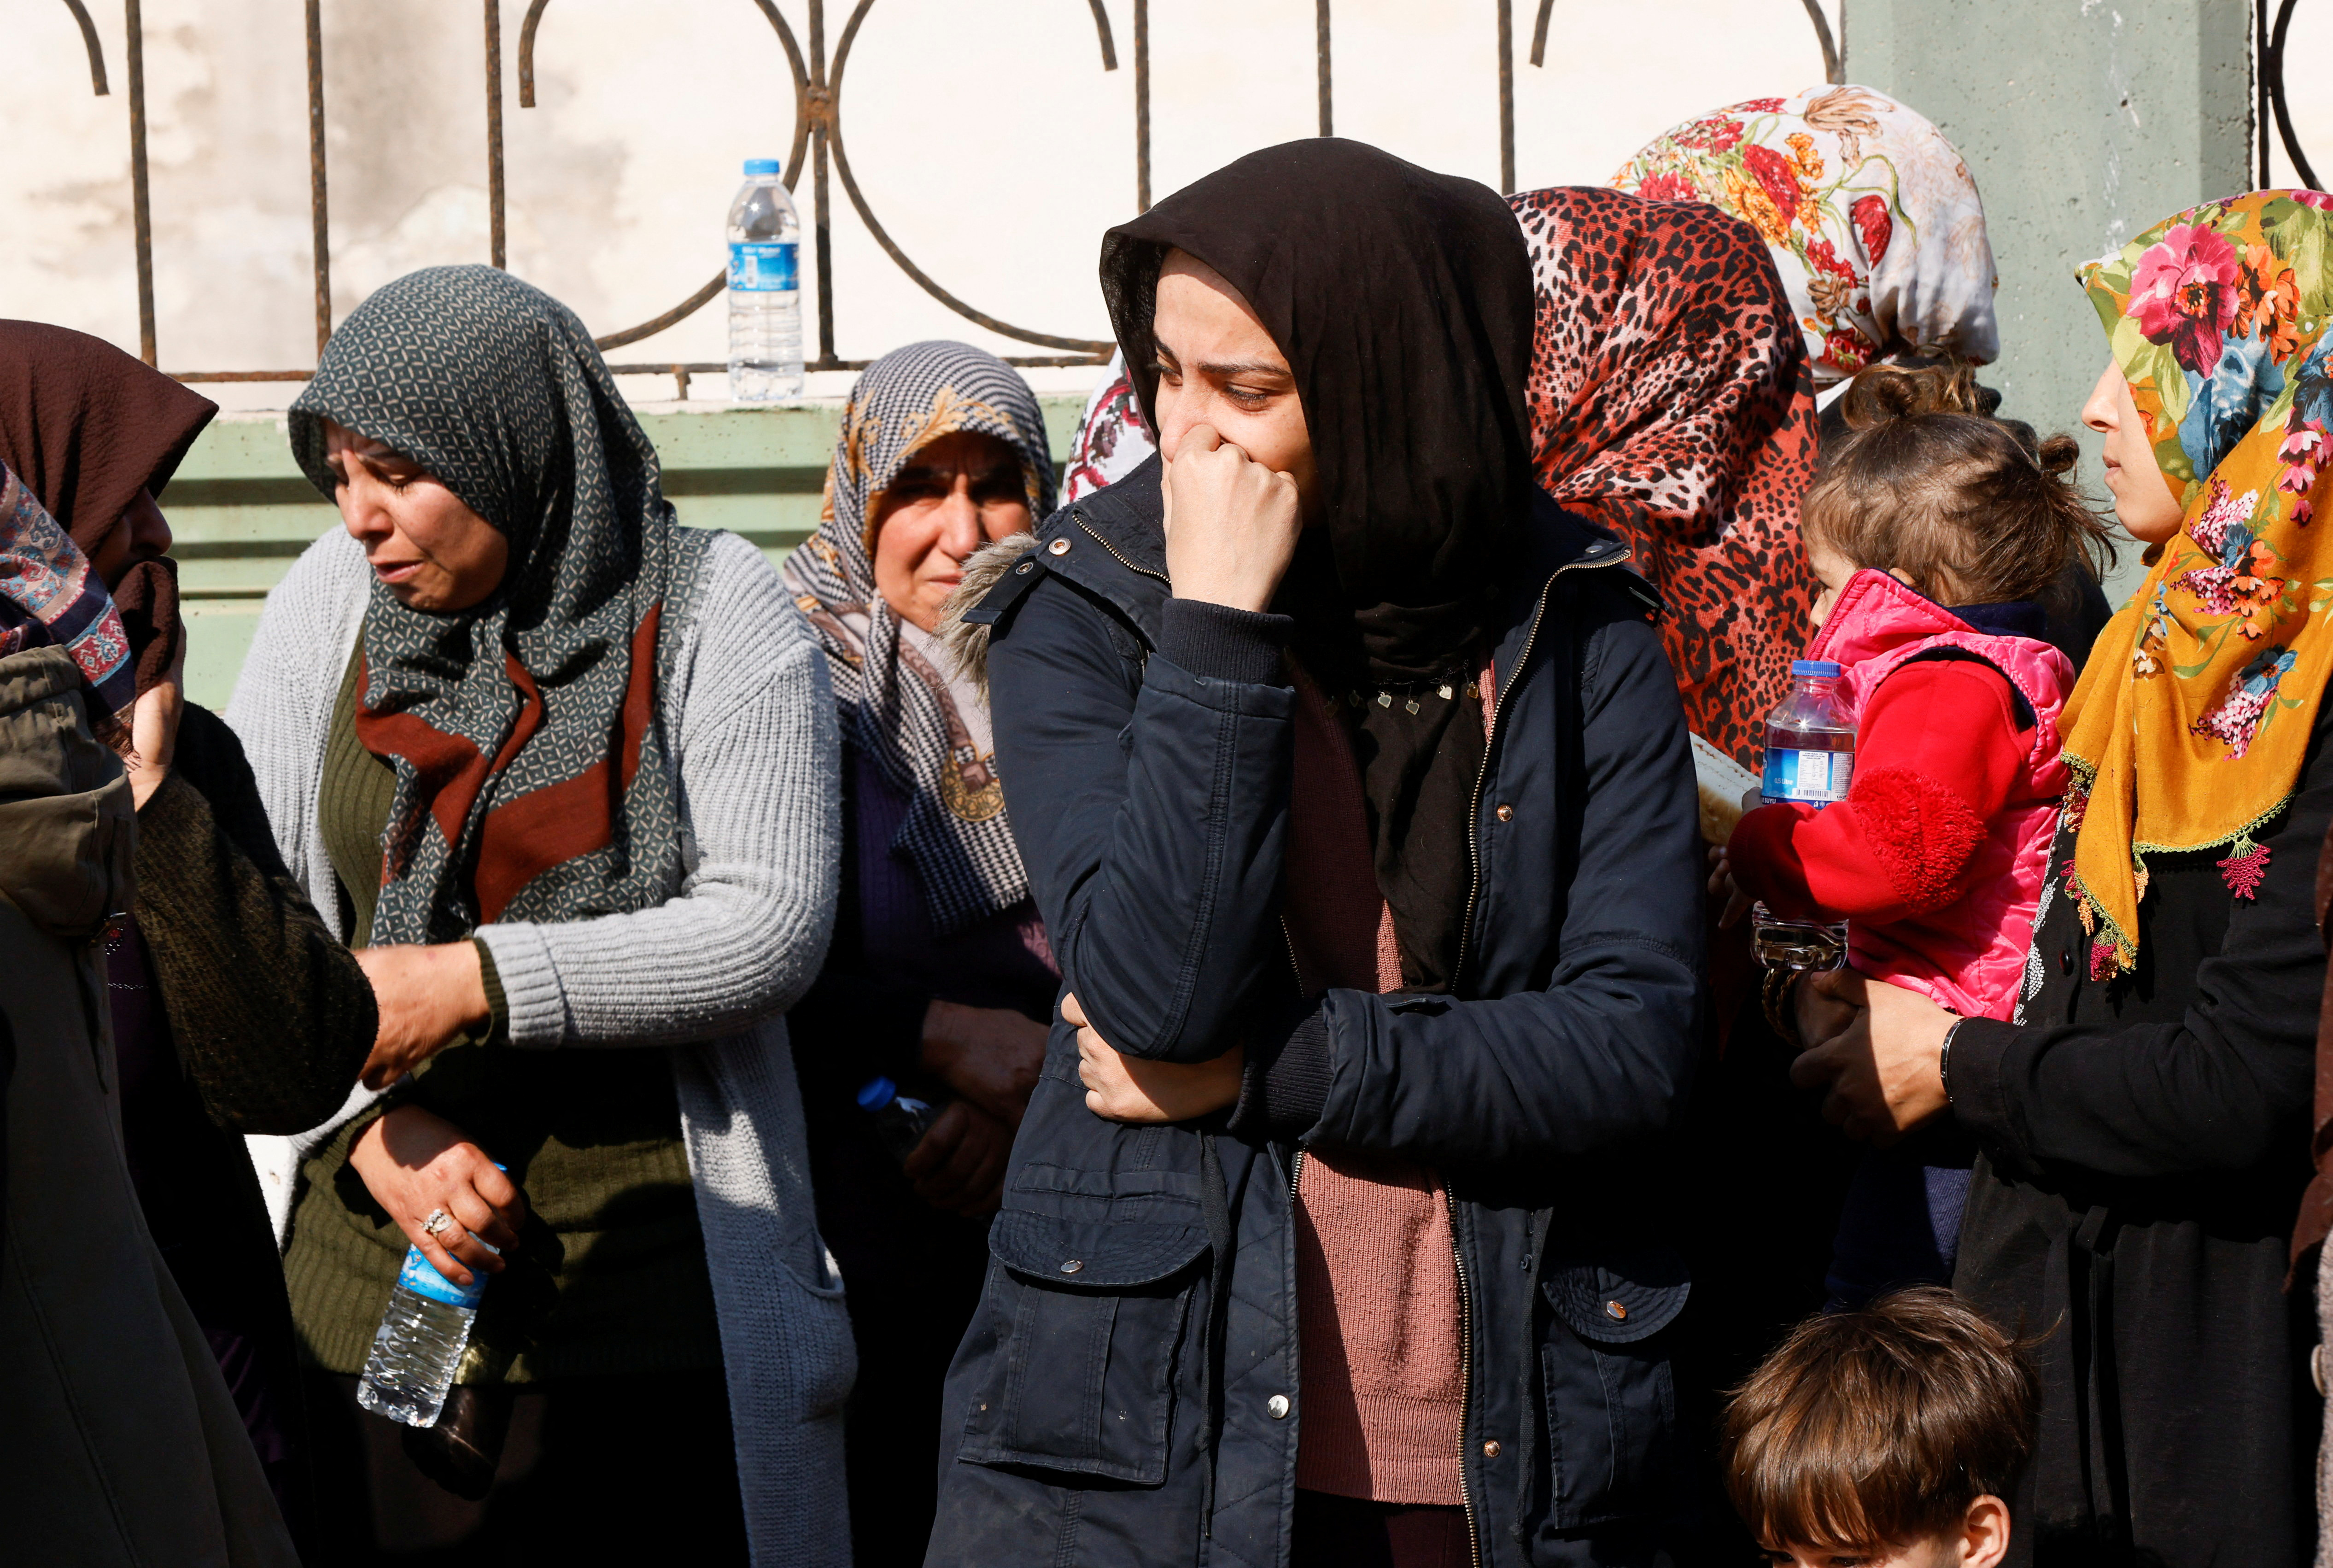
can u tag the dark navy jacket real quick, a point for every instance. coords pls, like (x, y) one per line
(1129, 1392)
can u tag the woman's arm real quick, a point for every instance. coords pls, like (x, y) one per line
(1936, 756)
(2223, 1088)
(1152, 815)
(1604, 1052)
(745, 934)
(272, 1015)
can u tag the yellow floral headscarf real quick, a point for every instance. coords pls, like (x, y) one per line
(2191, 718)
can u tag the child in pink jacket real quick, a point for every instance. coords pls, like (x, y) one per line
(1937, 537)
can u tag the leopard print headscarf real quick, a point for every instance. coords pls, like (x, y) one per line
(1670, 402)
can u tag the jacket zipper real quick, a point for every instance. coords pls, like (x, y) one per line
(1114, 550)
(1465, 1375)
(1465, 931)
(1490, 735)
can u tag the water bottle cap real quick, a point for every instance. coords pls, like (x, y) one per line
(877, 1092)
(1821, 668)
(765, 166)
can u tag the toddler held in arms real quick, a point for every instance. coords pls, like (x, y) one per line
(1937, 537)
(1887, 1437)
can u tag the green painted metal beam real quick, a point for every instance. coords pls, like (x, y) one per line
(241, 511)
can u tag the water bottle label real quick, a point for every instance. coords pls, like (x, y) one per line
(1817, 777)
(764, 266)
(420, 1276)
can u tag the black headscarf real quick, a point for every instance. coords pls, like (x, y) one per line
(1402, 300)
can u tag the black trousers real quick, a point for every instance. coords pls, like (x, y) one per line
(617, 1469)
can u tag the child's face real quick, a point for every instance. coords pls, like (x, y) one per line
(1832, 570)
(1981, 1542)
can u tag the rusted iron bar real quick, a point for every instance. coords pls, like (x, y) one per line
(1101, 25)
(2272, 66)
(494, 229)
(97, 53)
(1834, 71)
(679, 312)
(1142, 105)
(1320, 38)
(141, 217)
(526, 53)
(802, 115)
(1539, 33)
(319, 225)
(2260, 106)
(833, 133)
(822, 107)
(1506, 98)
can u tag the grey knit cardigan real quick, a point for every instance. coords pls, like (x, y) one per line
(749, 719)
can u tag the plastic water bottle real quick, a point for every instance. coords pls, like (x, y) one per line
(899, 1121)
(765, 339)
(420, 1341)
(1810, 759)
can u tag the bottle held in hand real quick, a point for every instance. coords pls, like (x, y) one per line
(421, 1341)
(900, 1122)
(1810, 759)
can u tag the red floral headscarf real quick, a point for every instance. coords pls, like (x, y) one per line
(1670, 402)
(1872, 219)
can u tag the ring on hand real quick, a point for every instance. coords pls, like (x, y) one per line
(439, 1223)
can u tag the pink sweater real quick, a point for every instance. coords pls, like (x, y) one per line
(1379, 1318)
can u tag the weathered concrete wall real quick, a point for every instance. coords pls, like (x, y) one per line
(2086, 122)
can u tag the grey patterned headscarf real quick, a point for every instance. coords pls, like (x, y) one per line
(531, 769)
(897, 706)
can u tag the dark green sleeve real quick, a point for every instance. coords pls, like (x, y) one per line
(273, 1018)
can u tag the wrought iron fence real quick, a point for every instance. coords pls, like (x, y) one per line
(818, 127)
(2270, 112)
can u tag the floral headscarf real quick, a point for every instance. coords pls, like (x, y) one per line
(1112, 441)
(2188, 729)
(897, 706)
(1872, 218)
(50, 594)
(1669, 404)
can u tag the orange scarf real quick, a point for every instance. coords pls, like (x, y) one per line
(2191, 720)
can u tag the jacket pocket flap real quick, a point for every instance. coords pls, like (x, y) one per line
(1088, 1256)
(1618, 1301)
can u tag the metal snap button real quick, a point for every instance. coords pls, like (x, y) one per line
(1025, 568)
(1059, 547)
(1505, 813)
(1073, 1264)
(1615, 1312)
(1277, 1407)
(1491, 1450)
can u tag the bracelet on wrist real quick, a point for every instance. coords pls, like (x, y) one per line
(1944, 1058)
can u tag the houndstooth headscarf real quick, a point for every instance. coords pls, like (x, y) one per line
(531, 769)
(955, 834)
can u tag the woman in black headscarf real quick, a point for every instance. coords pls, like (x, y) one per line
(1354, 789)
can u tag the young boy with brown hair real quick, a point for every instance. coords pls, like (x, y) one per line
(1887, 1437)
